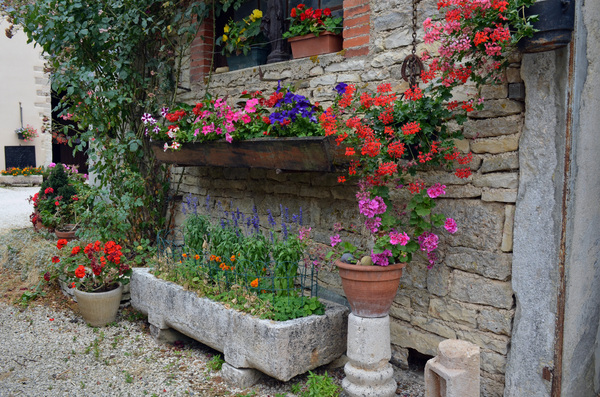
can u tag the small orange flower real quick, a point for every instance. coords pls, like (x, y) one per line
(232, 258)
(212, 257)
(197, 257)
(184, 255)
(218, 259)
(254, 283)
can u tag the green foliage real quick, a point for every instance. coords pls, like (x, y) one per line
(215, 363)
(238, 37)
(62, 186)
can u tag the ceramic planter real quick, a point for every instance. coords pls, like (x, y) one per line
(66, 232)
(256, 56)
(281, 349)
(310, 45)
(555, 26)
(295, 154)
(370, 290)
(99, 308)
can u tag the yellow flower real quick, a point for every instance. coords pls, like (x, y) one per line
(257, 14)
(224, 37)
(226, 29)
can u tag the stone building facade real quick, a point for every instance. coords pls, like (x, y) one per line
(470, 294)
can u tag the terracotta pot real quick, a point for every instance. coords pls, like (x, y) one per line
(310, 45)
(370, 290)
(99, 308)
(66, 232)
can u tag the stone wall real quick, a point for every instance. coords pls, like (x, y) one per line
(469, 294)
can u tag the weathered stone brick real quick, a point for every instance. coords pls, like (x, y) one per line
(493, 362)
(472, 288)
(513, 75)
(505, 180)
(497, 343)
(419, 299)
(497, 126)
(497, 321)
(390, 20)
(498, 108)
(500, 162)
(414, 275)
(327, 79)
(438, 280)
(467, 191)
(499, 195)
(479, 224)
(488, 264)
(405, 335)
(351, 64)
(491, 387)
(463, 145)
(503, 144)
(432, 325)
(400, 38)
(316, 71)
(400, 308)
(348, 78)
(499, 91)
(507, 232)
(375, 75)
(453, 311)
(309, 191)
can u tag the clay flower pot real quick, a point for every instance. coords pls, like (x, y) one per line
(99, 308)
(310, 45)
(66, 232)
(370, 290)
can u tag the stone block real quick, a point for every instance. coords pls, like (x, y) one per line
(240, 377)
(327, 80)
(488, 264)
(390, 20)
(454, 372)
(438, 279)
(347, 65)
(21, 180)
(497, 321)
(479, 223)
(492, 387)
(501, 162)
(399, 38)
(497, 343)
(405, 335)
(498, 126)
(493, 362)
(498, 108)
(499, 195)
(463, 145)
(466, 191)
(472, 288)
(453, 311)
(507, 233)
(414, 275)
(499, 91)
(513, 75)
(502, 180)
(365, 344)
(432, 325)
(279, 349)
(503, 144)
(399, 357)
(348, 78)
(400, 308)
(375, 75)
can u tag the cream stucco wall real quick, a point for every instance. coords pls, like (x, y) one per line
(22, 79)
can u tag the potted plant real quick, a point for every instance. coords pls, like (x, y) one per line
(236, 278)
(98, 272)
(313, 31)
(26, 133)
(243, 42)
(56, 202)
(378, 130)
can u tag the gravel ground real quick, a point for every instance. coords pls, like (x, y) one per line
(15, 209)
(48, 350)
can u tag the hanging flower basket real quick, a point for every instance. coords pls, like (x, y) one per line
(295, 154)
(555, 26)
(310, 45)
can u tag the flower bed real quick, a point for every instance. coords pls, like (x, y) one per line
(279, 349)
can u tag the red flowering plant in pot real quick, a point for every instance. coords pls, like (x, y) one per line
(90, 267)
(389, 138)
(313, 31)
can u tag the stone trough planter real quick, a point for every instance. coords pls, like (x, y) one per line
(21, 180)
(281, 350)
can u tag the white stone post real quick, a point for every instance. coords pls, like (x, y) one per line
(369, 373)
(454, 372)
